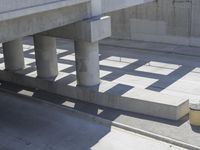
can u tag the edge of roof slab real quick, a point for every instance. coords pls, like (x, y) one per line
(107, 6)
(135, 100)
(31, 20)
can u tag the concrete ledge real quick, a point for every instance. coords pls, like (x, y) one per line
(136, 100)
(43, 21)
(89, 30)
(25, 8)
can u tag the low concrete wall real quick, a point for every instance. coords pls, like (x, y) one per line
(136, 100)
(168, 21)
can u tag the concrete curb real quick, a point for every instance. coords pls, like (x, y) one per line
(133, 100)
(156, 136)
(109, 123)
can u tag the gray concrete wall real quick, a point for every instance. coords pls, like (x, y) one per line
(168, 21)
(10, 5)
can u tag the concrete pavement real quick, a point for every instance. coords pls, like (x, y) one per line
(168, 58)
(119, 87)
(30, 124)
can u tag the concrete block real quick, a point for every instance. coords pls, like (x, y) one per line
(195, 114)
(157, 104)
(158, 21)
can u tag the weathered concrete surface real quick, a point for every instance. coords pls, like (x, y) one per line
(166, 68)
(89, 30)
(137, 100)
(46, 56)
(146, 64)
(87, 63)
(29, 124)
(14, 55)
(169, 21)
(124, 92)
(22, 8)
(31, 18)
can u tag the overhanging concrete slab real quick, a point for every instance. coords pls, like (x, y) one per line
(39, 16)
(22, 8)
(42, 21)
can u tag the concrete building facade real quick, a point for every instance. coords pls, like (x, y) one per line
(167, 21)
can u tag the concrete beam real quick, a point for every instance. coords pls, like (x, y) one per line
(33, 19)
(24, 8)
(91, 30)
(37, 22)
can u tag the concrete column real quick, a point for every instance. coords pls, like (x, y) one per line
(13, 55)
(87, 63)
(87, 55)
(46, 57)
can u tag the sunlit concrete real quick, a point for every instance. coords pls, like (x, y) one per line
(122, 87)
(180, 130)
(50, 127)
(87, 63)
(89, 30)
(166, 21)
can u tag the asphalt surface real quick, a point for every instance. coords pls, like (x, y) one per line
(31, 124)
